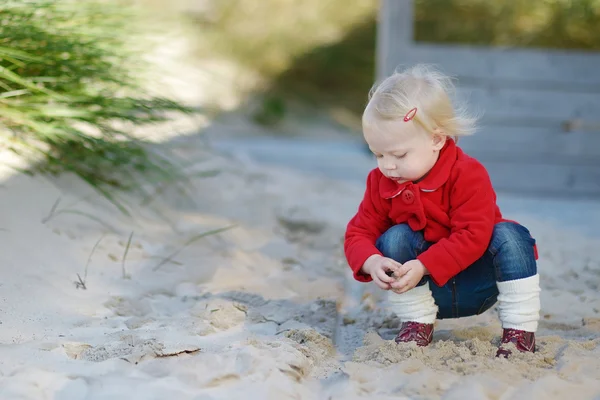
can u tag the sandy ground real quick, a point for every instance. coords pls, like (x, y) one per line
(264, 310)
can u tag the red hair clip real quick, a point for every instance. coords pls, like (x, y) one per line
(410, 115)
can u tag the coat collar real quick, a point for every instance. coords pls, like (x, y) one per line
(432, 181)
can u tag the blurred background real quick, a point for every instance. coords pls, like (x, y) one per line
(78, 79)
(323, 52)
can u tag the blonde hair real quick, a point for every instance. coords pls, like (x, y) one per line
(426, 89)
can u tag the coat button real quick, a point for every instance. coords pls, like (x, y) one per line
(408, 197)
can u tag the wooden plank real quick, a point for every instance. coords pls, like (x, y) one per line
(509, 103)
(396, 21)
(396, 18)
(489, 64)
(586, 179)
(533, 145)
(547, 179)
(394, 30)
(525, 159)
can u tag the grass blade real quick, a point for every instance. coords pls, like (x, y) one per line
(98, 220)
(82, 282)
(52, 210)
(190, 241)
(18, 54)
(125, 276)
(14, 93)
(11, 76)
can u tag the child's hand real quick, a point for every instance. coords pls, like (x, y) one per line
(377, 266)
(408, 275)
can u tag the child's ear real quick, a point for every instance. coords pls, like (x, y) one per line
(439, 139)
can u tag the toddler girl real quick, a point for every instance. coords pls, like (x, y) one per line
(428, 228)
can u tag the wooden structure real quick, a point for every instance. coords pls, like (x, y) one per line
(540, 129)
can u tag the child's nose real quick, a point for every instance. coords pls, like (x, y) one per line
(390, 165)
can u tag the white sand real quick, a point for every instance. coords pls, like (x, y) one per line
(266, 310)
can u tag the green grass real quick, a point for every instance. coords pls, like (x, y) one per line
(70, 76)
(552, 24)
(323, 52)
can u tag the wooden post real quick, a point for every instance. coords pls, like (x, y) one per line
(394, 34)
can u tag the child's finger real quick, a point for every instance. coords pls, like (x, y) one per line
(400, 283)
(391, 264)
(382, 285)
(400, 290)
(397, 291)
(400, 272)
(399, 286)
(384, 277)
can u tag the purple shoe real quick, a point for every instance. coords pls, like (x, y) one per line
(422, 334)
(524, 341)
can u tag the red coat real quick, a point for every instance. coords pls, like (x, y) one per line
(454, 205)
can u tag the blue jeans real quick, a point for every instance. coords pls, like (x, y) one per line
(509, 256)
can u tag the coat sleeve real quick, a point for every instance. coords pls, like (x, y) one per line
(363, 230)
(472, 216)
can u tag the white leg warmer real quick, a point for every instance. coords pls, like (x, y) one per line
(519, 303)
(416, 305)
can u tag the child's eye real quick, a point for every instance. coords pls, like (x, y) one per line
(379, 155)
(400, 155)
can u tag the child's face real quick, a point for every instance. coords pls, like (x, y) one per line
(404, 150)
